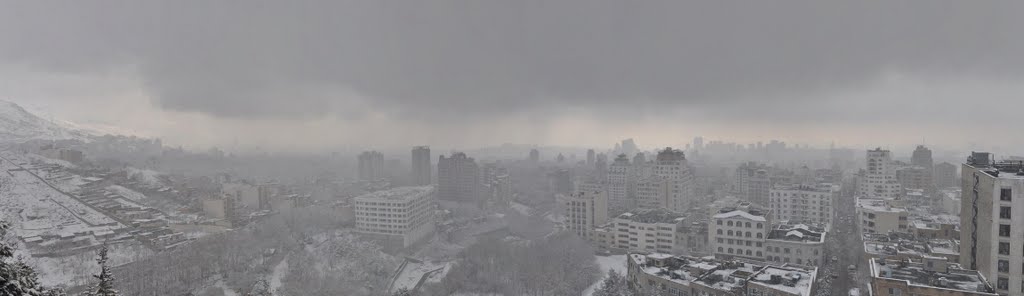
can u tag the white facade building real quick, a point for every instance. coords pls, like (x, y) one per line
(799, 244)
(991, 223)
(672, 165)
(402, 216)
(621, 185)
(585, 211)
(739, 232)
(645, 231)
(879, 179)
(881, 216)
(804, 203)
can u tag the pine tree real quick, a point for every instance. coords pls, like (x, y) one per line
(16, 278)
(613, 285)
(402, 292)
(106, 285)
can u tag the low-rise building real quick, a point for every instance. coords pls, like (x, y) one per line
(879, 216)
(652, 230)
(673, 275)
(798, 244)
(400, 216)
(739, 232)
(930, 277)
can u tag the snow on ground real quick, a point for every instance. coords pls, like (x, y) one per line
(227, 291)
(279, 272)
(521, 208)
(616, 262)
(411, 274)
(127, 193)
(148, 177)
(47, 160)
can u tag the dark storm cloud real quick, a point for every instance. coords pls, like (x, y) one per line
(435, 59)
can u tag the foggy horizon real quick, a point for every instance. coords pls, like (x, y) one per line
(511, 148)
(308, 78)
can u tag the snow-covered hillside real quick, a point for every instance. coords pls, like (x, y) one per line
(18, 125)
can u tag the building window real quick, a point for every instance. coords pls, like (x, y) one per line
(759, 235)
(729, 223)
(719, 232)
(1005, 194)
(1004, 266)
(1004, 212)
(1004, 248)
(747, 225)
(894, 291)
(759, 226)
(748, 233)
(1004, 230)
(719, 222)
(1003, 284)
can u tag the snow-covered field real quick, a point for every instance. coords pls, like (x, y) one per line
(127, 193)
(148, 177)
(616, 262)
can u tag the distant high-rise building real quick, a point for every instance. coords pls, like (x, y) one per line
(698, 143)
(560, 181)
(945, 175)
(879, 180)
(639, 159)
(421, 168)
(752, 183)
(497, 186)
(922, 156)
(585, 210)
(458, 178)
(672, 165)
(534, 155)
(371, 166)
(629, 146)
(621, 183)
(560, 158)
(591, 157)
(992, 195)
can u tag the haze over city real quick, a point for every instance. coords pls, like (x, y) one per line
(484, 148)
(573, 73)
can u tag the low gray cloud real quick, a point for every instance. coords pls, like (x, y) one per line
(460, 60)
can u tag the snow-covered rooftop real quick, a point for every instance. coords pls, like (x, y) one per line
(740, 214)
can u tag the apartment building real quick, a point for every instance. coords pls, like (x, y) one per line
(649, 230)
(739, 232)
(932, 277)
(804, 203)
(400, 217)
(799, 244)
(584, 212)
(881, 216)
(991, 236)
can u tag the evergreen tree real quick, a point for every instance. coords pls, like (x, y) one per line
(106, 285)
(16, 278)
(613, 285)
(402, 292)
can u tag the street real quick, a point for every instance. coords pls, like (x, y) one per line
(846, 245)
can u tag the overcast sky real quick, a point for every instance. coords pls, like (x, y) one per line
(316, 75)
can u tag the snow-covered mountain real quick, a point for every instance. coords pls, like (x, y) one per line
(18, 125)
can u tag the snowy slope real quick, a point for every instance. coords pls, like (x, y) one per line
(18, 125)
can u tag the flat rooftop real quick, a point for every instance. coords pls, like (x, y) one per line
(726, 214)
(788, 279)
(917, 274)
(678, 269)
(653, 216)
(797, 233)
(730, 276)
(398, 194)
